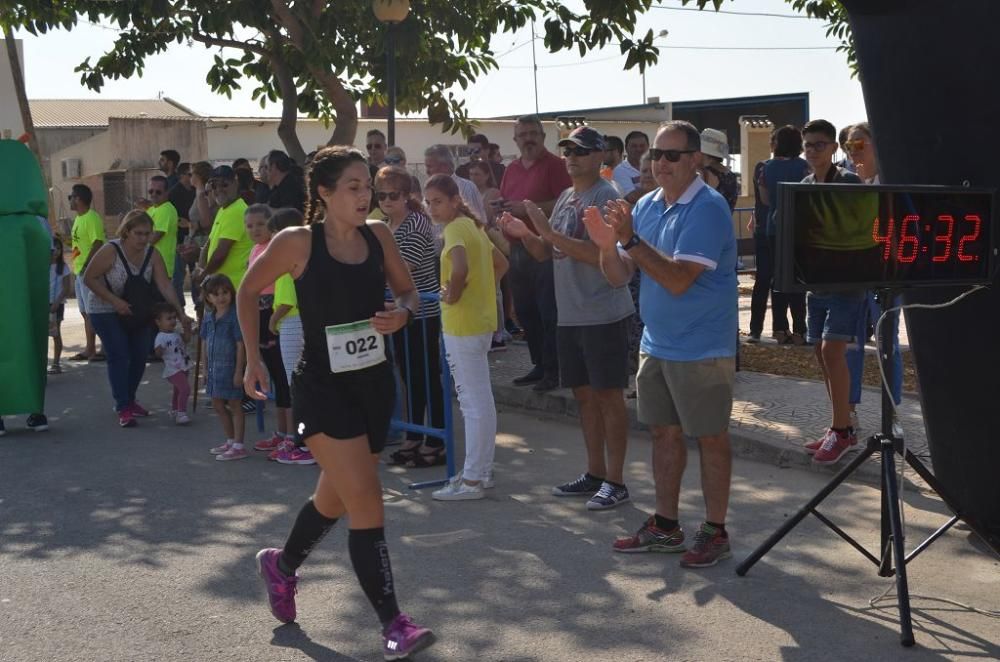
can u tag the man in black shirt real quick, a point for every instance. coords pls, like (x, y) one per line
(284, 178)
(182, 196)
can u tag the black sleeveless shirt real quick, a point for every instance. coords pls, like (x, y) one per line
(331, 292)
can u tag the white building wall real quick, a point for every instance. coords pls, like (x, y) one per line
(10, 114)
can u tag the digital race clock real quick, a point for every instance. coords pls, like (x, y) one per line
(856, 236)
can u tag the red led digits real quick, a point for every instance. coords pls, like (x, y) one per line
(908, 240)
(977, 225)
(944, 238)
(883, 239)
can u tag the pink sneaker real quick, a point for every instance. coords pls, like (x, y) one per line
(233, 454)
(280, 587)
(286, 446)
(138, 410)
(403, 637)
(268, 445)
(834, 447)
(813, 446)
(219, 450)
(126, 419)
(297, 456)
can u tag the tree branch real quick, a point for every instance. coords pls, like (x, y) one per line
(290, 22)
(289, 101)
(230, 43)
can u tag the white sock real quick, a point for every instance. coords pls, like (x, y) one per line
(237, 445)
(289, 437)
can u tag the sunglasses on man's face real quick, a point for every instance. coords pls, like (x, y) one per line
(577, 151)
(817, 146)
(393, 160)
(855, 145)
(672, 155)
(392, 195)
(371, 146)
(71, 197)
(155, 191)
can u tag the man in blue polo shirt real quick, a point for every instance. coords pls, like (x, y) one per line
(681, 238)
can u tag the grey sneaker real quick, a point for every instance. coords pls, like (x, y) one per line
(586, 485)
(608, 496)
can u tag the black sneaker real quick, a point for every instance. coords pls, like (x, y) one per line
(37, 422)
(249, 407)
(535, 375)
(586, 485)
(608, 496)
(546, 384)
(3, 428)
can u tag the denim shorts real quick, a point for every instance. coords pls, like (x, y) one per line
(832, 316)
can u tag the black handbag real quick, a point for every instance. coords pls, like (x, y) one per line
(140, 294)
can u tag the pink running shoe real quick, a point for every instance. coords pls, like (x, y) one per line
(812, 446)
(297, 456)
(834, 447)
(219, 450)
(233, 454)
(268, 445)
(126, 419)
(403, 637)
(284, 448)
(138, 410)
(280, 587)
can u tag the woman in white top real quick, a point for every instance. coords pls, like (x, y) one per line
(127, 341)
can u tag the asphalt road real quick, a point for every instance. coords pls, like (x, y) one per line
(136, 545)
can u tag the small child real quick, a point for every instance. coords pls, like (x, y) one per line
(171, 347)
(58, 291)
(226, 359)
(257, 219)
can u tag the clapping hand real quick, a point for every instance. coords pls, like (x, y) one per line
(514, 227)
(538, 217)
(620, 218)
(601, 233)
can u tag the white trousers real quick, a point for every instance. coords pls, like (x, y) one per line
(290, 341)
(466, 357)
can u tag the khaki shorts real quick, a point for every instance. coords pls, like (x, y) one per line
(696, 395)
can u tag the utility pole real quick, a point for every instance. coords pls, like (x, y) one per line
(22, 96)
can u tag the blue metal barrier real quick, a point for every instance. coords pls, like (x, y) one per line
(446, 433)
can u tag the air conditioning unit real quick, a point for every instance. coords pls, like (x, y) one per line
(71, 168)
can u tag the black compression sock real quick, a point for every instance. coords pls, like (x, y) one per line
(664, 523)
(370, 558)
(310, 527)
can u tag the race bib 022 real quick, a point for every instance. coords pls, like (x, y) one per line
(354, 346)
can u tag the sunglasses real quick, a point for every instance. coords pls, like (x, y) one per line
(392, 195)
(155, 191)
(673, 155)
(371, 146)
(855, 145)
(393, 160)
(577, 151)
(818, 146)
(70, 197)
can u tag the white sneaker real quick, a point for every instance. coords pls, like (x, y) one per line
(459, 491)
(856, 424)
(488, 483)
(897, 429)
(181, 418)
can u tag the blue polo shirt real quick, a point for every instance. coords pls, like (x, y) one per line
(702, 323)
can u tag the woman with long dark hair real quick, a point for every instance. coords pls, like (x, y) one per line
(343, 387)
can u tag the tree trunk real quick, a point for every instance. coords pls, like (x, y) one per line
(345, 129)
(289, 109)
(22, 96)
(932, 105)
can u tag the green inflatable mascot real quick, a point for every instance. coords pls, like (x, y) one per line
(25, 254)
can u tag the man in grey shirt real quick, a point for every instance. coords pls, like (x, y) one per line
(593, 318)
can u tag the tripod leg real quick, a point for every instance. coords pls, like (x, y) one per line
(891, 497)
(885, 567)
(776, 537)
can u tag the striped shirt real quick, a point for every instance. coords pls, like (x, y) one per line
(413, 237)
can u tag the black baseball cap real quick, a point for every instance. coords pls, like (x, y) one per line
(586, 137)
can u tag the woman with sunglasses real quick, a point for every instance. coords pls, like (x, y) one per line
(412, 231)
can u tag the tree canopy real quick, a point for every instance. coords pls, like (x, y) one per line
(320, 58)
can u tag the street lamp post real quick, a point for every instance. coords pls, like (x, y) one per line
(392, 13)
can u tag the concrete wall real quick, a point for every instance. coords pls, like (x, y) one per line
(137, 142)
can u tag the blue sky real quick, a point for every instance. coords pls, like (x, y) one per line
(693, 65)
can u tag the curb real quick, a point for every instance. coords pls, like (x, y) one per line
(747, 445)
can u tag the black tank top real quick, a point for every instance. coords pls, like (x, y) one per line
(331, 292)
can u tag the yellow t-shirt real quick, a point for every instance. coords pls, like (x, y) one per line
(164, 217)
(87, 228)
(229, 225)
(476, 311)
(284, 295)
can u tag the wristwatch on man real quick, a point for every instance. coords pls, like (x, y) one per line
(632, 243)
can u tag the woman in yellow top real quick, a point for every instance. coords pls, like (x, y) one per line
(470, 268)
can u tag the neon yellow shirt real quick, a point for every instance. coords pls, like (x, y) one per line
(229, 225)
(284, 295)
(87, 228)
(476, 310)
(164, 217)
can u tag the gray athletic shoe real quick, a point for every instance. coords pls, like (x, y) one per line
(608, 496)
(586, 485)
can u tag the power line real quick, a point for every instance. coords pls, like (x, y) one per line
(732, 13)
(692, 48)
